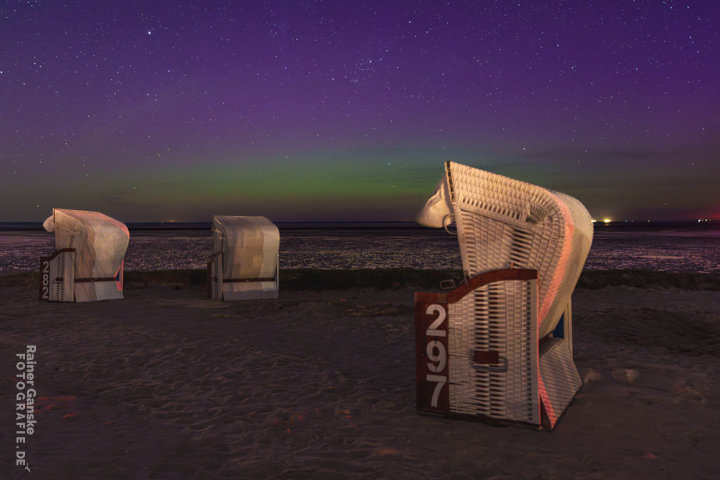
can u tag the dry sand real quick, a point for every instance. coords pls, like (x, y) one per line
(320, 385)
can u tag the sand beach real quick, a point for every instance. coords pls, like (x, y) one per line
(319, 384)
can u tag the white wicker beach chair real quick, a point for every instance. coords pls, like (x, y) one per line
(245, 265)
(504, 337)
(88, 262)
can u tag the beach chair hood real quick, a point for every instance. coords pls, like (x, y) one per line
(503, 222)
(100, 243)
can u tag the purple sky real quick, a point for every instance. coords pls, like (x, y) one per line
(330, 110)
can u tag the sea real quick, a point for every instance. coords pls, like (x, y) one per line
(681, 247)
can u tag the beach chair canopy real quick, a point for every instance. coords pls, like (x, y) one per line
(99, 244)
(248, 248)
(503, 222)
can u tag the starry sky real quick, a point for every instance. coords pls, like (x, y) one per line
(328, 110)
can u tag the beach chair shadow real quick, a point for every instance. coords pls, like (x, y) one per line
(88, 262)
(245, 263)
(498, 348)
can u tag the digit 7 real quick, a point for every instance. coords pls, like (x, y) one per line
(441, 380)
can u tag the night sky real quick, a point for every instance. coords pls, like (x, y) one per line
(334, 110)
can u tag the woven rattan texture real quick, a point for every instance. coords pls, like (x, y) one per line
(62, 267)
(504, 222)
(100, 243)
(497, 317)
(559, 375)
(249, 247)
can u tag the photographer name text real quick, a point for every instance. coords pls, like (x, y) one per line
(25, 403)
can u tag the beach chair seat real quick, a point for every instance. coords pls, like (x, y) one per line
(245, 263)
(504, 336)
(88, 262)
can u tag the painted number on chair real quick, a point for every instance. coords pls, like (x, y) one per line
(44, 279)
(436, 351)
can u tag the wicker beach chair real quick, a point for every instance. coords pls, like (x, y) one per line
(87, 264)
(245, 265)
(498, 348)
